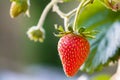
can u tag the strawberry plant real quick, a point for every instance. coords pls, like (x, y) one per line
(89, 38)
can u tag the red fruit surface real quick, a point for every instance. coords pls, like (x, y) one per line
(73, 51)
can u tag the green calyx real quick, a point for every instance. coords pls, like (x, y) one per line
(86, 33)
(82, 31)
(36, 34)
(61, 31)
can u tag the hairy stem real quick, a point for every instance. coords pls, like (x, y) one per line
(71, 13)
(45, 12)
(66, 21)
(58, 11)
(61, 14)
(65, 16)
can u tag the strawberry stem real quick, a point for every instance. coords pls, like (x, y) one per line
(80, 7)
(65, 16)
(45, 12)
(77, 14)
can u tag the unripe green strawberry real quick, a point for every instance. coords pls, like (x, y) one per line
(18, 7)
(73, 51)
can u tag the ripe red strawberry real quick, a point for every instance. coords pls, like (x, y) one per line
(73, 51)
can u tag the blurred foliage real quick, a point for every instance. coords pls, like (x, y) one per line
(105, 48)
(41, 53)
(101, 77)
(70, 0)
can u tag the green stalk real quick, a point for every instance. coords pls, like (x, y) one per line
(80, 7)
(77, 14)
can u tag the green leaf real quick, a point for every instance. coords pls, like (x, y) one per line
(70, 0)
(67, 0)
(106, 47)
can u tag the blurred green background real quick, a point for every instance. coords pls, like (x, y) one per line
(42, 53)
(17, 45)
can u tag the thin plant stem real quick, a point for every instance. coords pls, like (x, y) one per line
(77, 14)
(45, 12)
(65, 16)
(79, 9)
